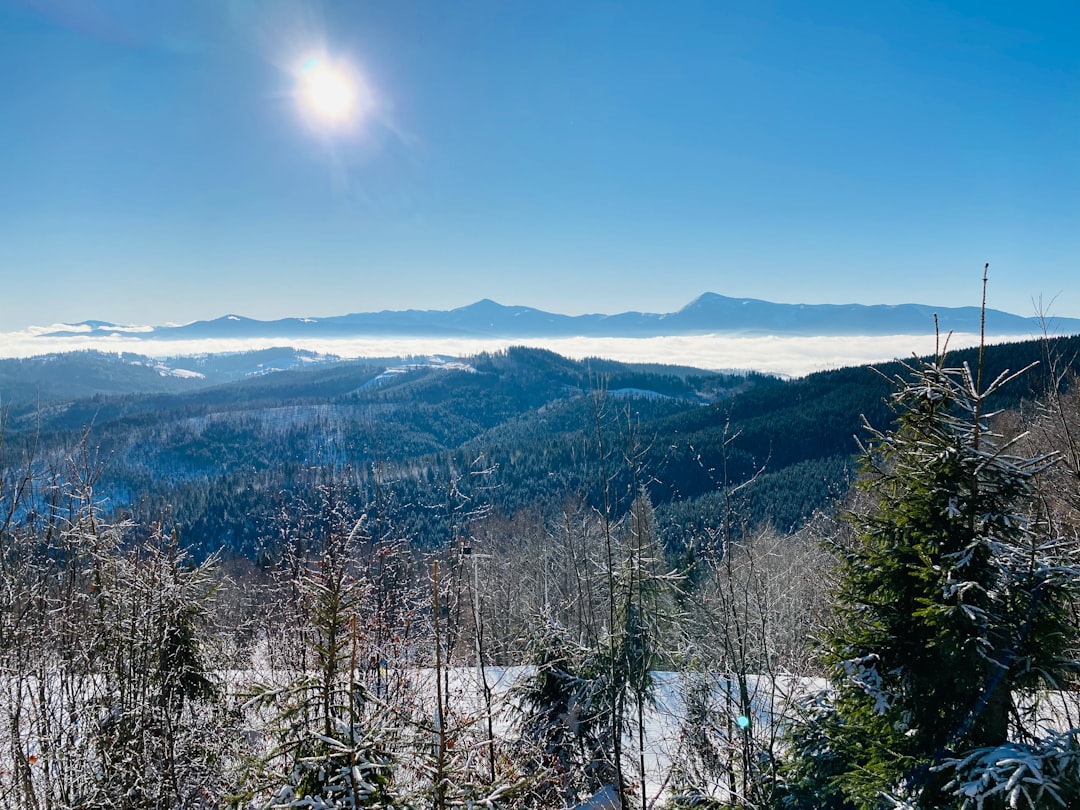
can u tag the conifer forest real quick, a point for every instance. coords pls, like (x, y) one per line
(522, 581)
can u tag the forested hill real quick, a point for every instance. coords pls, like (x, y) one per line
(436, 443)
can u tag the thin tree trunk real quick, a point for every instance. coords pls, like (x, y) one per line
(440, 714)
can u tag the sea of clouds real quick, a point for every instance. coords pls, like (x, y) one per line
(793, 356)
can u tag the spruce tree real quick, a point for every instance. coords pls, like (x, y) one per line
(952, 603)
(565, 735)
(328, 736)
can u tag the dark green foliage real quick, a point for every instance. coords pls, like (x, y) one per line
(218, 462)
(950, 603)
(326, 478)
(784, 499)
(26, 381)
(565, 735)
(814, 769)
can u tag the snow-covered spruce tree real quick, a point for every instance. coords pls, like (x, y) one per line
(952, 604)
(642, 638)
(327, 740)
(156, 742)
(583, 708)
(107, 698)
(564, 735)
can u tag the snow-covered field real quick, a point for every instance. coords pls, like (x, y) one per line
(665, 727)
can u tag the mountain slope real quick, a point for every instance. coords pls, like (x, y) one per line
(517, 431)
(707, 314)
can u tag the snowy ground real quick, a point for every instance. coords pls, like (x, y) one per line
(664, 718)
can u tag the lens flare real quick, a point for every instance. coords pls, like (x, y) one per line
(330, 94)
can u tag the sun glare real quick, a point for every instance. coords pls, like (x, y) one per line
(329, 94)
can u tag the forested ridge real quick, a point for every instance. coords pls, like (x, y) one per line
(217, 460)
(290, 590)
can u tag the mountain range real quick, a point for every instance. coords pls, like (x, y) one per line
(708, 314)
(220, 443)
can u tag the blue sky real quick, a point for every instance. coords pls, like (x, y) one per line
(156, 166)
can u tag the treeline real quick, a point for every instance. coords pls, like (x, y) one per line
(330, 672)
(918, 655)
(214, 464)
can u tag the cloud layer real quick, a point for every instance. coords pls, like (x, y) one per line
(794, 356)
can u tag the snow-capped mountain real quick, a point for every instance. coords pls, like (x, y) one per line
(708, 314)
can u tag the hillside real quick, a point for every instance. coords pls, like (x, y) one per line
(218, 459)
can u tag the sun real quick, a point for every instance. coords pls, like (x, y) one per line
(330, 95)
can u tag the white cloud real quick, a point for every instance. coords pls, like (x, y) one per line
(794, 356)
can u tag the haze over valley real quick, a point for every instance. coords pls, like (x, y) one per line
(711, 332)
(533, 405)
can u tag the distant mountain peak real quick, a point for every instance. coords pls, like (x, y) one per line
(709, 313)
(487, 307)
(711, 300)
(483, 305)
